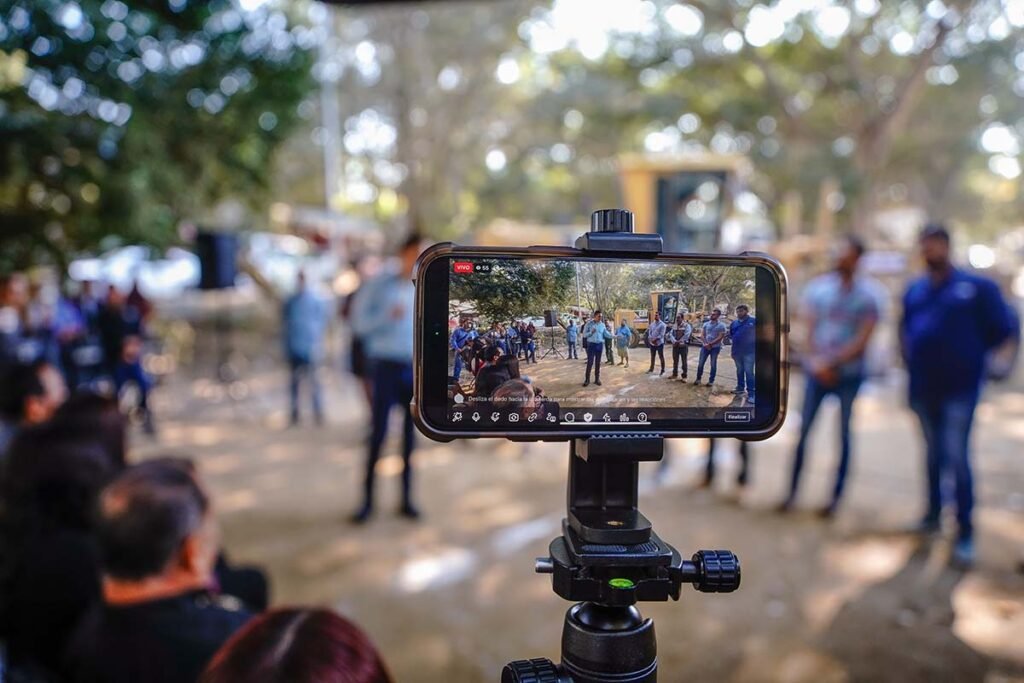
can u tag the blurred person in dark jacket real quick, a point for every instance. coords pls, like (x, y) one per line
(947, 372)
(50, 563)
(32, 393)
(120, 330)
(160, 622)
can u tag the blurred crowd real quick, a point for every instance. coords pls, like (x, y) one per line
(112, 571)
(90, 335)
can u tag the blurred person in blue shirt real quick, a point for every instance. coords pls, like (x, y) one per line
(462, 336)
(656, 341)
(841, 310)
(512, 335)
(742, 334)
(947, 371)
(594, 334)
(305, 320)
(712, 337)
(623, 336)
(384, 318)
(571, 335)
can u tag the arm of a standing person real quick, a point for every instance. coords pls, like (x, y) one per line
(865, 328)
(997, 323)
(719, 337)
(372, 312)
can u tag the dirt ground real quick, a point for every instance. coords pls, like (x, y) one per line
(562, 381)
(453, 597)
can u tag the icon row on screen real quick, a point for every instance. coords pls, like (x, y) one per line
(513, 417)
(605, 416)
(503, 417)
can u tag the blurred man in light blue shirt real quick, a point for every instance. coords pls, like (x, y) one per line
(571, 334)
(656, 341)
(384, 319)
(713, 332)
(305, 320)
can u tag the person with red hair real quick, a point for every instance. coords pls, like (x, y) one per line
(295, 645)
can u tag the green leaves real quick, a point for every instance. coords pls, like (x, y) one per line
(129, 118)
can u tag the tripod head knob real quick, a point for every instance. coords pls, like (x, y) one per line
(713, 571)
(611, 220)
(531, 671)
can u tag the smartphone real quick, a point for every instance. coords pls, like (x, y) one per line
(552, 343)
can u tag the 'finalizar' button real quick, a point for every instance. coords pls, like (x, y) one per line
(737, 416)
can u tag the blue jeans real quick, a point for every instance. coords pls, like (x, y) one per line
(126, 373)
(745, 372)
(531, 351)
(946, 424)
(392, 386)
(846, 390)
(301, 367)
(457, 371)
(572, 350)
(704, 355)
(594, 351)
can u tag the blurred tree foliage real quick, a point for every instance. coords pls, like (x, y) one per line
(704, 287)
(463, 112)
(515, 289)
(123, 119)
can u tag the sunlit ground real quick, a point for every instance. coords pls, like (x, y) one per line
(454, 597)
(561, 379)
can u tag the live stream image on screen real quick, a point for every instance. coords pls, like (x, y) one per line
(562, 342)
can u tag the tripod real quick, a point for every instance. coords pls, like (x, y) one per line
(608, 557)
(551, 347)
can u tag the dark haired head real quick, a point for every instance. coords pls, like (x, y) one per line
(145, 517)
(856, 244)
(412, 241)
(96, 417)
(597, 311)
(512, 363)
(743, 307)
(935, 248)
(53, 479)
(848, 253)
(934, 231)
(32, 391)
(297, 646)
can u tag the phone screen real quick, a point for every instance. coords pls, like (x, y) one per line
(526, 344)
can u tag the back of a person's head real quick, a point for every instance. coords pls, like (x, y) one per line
(54, 478)
(145, 516)
(21, 382)
(98, 417)
(297, 646)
